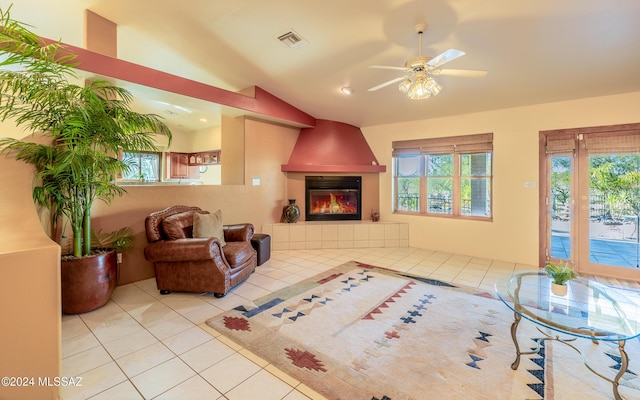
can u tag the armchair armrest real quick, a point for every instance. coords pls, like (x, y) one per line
(184, 250)
(238, 232)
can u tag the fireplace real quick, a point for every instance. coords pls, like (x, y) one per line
(333, 198)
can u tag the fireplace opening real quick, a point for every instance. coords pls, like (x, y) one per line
(333, 198)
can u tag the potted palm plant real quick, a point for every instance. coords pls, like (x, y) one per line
(560, 273)
(83, 130)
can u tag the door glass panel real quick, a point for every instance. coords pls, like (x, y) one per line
(560, 205)
(614, 197)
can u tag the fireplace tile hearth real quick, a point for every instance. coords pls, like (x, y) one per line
(310, 235)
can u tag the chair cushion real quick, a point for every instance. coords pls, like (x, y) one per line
(179, 226)
(237, 253)
(208, 225)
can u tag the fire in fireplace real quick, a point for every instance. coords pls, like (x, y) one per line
(331, 198)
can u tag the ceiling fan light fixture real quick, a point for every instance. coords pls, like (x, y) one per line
(433, 86)
(422, 87)
(404, 86)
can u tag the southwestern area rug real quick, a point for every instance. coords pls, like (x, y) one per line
(362, 332)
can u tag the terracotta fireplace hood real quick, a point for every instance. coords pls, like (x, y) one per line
(332, 146)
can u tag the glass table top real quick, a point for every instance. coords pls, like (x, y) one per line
(590, 309)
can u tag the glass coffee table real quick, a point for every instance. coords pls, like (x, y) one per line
(590, 310)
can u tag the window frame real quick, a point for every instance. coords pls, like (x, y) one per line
(139, 153)
(457, 146)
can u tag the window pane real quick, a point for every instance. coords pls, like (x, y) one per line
(439, 195)
(408, 166)
(141, 166)
(476, 164)
(408, 194)
(150, 165)
(475, 196)
(132, 160)
(440, 165)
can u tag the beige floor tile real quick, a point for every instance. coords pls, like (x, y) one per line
(78, 344)
(163, 377)
(95, 381)
(249, 291)
(202, 313)
(233, 345)
(165, 329)
(229, 301)
(150, 314)
(123, 391)
(78, 364)
(230, 372)
(295, 395)
(261, 362)
(129, 344)
(117, 329)
(194, 388)
(272, 369)
(183, 303)
(262, 385)
(106, 315)
(187, 340)
(72, 326)
(137, 318)
(144, 359)
(207, 354)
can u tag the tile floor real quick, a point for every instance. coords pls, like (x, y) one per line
(142, 345)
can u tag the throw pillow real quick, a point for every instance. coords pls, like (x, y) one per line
(178, 226)
(208, 225)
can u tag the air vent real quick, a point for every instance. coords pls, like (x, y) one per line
(292, 40)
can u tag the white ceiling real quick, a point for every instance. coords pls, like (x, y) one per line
(534, 51)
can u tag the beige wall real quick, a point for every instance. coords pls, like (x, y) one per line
(267, 147)
(513, 234)
(30, 287)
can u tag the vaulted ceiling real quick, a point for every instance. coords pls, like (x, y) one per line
(534, 51)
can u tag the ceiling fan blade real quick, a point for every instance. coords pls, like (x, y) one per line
(445, 57)
(468, 73)
(387, 83)
(388, 67)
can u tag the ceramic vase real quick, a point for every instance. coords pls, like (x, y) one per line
(291, 212)
(558, 290)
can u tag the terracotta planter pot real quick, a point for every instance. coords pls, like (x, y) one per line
(87, 283)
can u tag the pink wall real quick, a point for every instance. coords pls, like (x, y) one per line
(332, 146)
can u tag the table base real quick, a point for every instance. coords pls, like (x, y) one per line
(624, 358)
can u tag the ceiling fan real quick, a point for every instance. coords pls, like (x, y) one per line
(417, 81)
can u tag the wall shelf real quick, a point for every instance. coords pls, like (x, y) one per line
(210, 157)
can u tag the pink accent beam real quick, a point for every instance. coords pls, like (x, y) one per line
(263, 103)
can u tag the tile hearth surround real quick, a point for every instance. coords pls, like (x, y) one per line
(313, 235)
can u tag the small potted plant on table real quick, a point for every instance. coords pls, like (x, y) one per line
(560, 273)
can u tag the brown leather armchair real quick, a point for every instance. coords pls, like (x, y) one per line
(184, 263)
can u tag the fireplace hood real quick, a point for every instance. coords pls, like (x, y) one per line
(332, 146)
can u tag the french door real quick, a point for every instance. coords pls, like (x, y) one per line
(590, 199)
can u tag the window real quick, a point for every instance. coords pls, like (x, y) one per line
(143, 167)
(444, 176)
(409, 172)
